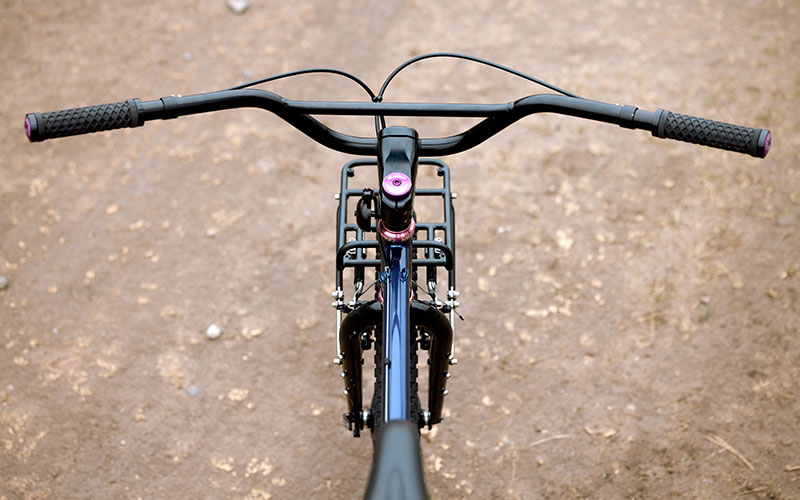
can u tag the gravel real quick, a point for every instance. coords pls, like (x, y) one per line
(213, 332)
(238, 6)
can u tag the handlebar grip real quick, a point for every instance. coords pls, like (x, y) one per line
(753, 141)
(63, 123)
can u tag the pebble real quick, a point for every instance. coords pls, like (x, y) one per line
(213, 332)
(3, 283)
(238, 6)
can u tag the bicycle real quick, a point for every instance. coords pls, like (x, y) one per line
(387, 238)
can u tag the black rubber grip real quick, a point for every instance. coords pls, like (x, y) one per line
(41, 126)
(753, 141)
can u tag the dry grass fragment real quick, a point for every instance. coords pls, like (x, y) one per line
(717, 440)
(748, 492)
(606, 433)
(548, 439)
(493, 420)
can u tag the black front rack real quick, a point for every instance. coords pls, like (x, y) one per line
(434, 242)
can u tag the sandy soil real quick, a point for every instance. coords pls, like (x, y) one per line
(631, 305)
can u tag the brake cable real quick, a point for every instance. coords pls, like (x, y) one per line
(306, 72)
(380, 122)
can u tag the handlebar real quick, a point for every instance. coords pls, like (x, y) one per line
(134, 112)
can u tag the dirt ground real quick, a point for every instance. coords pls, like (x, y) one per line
(630, 304)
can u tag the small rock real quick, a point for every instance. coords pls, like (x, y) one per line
(238, 6)
(3, 283)
(224, 464)
(213, 332)
(238, 395)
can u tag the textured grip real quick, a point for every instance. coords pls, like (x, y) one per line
(41, 126)
(753, 141)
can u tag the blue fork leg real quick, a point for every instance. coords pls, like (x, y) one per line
(396, 331)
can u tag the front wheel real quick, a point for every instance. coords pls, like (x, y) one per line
(415, 406)
(397, 465)
(397, 472)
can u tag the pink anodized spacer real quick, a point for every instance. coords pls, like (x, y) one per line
(396, 237)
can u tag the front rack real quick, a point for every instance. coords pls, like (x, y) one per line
(433, 244)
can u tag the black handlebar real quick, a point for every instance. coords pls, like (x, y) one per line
(134, 112)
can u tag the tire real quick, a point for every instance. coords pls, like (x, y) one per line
(415, 406)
